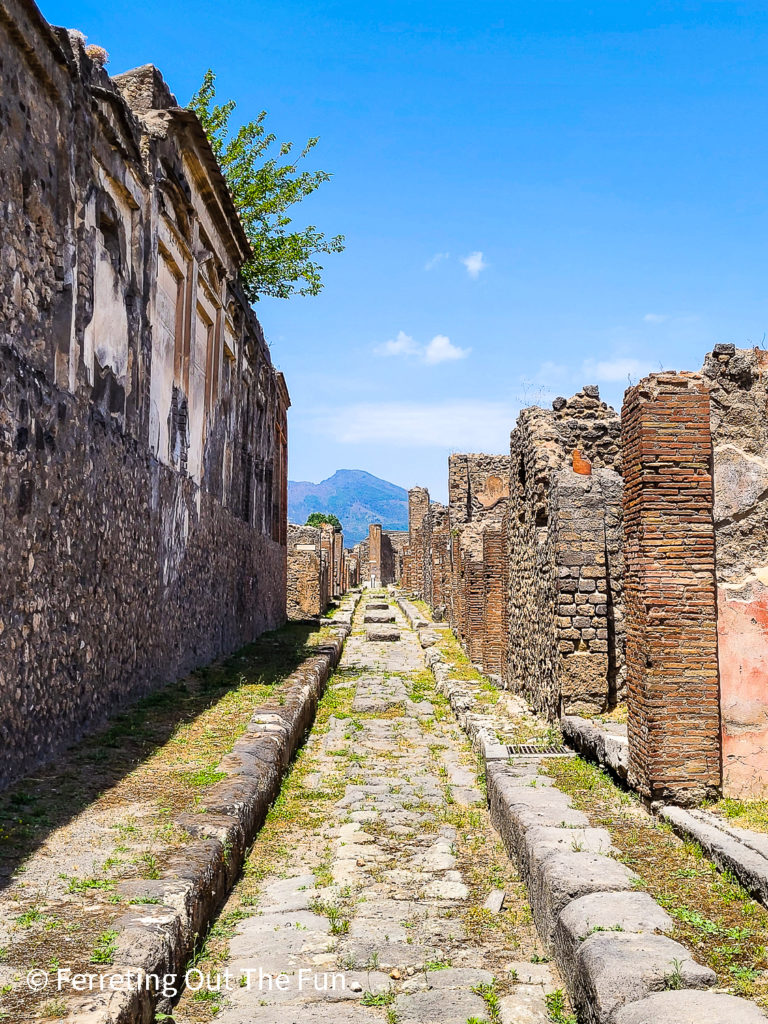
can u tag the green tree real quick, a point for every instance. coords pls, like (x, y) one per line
(264, 187)
(318, 518)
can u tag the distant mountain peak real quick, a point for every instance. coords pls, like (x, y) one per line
(356, 496)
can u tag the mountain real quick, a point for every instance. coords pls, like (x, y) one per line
(356, 497)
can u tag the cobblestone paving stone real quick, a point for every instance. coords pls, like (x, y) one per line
(373, 901)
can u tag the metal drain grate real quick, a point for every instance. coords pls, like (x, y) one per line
(535, 750)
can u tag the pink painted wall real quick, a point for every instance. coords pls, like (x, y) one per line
(743, 658)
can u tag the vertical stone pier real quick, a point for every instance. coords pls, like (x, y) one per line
(374, 554)
(673, 696)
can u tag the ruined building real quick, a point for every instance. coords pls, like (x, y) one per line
(142, 425)
(623, 559)
(320, 569)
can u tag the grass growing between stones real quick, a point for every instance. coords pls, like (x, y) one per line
(104, 812)
(714, 916)
(749, 814)
(297, 814)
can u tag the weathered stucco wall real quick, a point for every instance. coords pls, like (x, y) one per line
(307, 592)
(142, 426)
(738, 382)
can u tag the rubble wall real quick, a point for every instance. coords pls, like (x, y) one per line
(143, 441)
(564, 545)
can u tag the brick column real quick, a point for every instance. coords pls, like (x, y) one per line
(374, 554)
(673, 699)
(495, 622)
(474, 605)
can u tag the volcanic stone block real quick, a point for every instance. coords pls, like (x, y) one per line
(379, 617)
(687, 1007)
(615, 968)
(559, 877)
(372, 606)
(606, 912)
(382, 633)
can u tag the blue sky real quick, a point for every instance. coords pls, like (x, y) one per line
(536, 196)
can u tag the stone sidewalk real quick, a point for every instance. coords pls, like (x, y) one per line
(378, 906)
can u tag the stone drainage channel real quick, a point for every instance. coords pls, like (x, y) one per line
(605, 936)
(395, 902)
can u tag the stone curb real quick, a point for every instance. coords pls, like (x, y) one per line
(158, 938)
(609, 750)
(737, 850)
(728, 848)
(604, 934)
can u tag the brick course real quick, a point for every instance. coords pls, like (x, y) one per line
(673, 698)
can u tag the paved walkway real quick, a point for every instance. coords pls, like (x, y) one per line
(377, 903)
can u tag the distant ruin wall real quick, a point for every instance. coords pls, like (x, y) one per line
(306, 592)
(673, 698)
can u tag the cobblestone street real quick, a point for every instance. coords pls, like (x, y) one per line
(376, 899)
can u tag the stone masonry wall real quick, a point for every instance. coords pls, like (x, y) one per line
(305, 592)
(143, 435)
(565, 580)
(673, 700)
(440, 556)
(738, 383)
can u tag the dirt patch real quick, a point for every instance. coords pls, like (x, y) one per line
(104, 813)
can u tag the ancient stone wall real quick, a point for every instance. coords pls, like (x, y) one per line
(143, 435)
(738, 383)
(673, 699)
(306, 587)
(418, 543)
(440, 558)
(564, 545)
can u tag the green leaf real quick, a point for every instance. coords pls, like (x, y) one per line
(264, 188)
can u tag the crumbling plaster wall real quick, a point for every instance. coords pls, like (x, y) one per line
(306, 589)
(738, 392)
(143, 526)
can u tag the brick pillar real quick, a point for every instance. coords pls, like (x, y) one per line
(374, 554)
(474, 603)
(673, 699)
(456, 609)
(494, 596)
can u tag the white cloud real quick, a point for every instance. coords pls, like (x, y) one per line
(655, 318)
(613, 371)
(464, 424)
(474, 264)
(441, 350)
(402, 345)
(437, 258)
